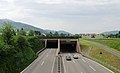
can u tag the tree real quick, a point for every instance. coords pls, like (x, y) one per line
(56, 34)
(62, 35)
(31, 33)
(119, 32)
(7, 51)
(21, 43)
(7, 33)
(51, 34)
(77, 35)
(22, 32)
(14, 32)
(37, 33)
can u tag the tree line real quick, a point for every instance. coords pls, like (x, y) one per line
(16, 49)
(117, 35)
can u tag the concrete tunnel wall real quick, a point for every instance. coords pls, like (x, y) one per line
(63, 45)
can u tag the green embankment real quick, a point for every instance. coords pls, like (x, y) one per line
(95, 53)
(113, 43)
(15, 57)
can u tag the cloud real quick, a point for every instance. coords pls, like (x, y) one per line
(59, 14)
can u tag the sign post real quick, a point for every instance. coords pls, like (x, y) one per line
(100, 54)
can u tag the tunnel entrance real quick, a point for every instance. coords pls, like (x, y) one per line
(52, 44)
(66, 46)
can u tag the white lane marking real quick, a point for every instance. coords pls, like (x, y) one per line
(92, 68)
(101, 65)
(53, 65)
(83, 60)
(34, 61)
(81, 72)
(64, 65)
(73, 61)
(42, 63)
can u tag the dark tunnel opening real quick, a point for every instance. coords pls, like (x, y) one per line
(52, 44)
(68, 47)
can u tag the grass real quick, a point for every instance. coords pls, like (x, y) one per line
(95, 53)
(113, 43)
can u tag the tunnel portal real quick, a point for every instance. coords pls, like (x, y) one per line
(52, 44)
(67, 46)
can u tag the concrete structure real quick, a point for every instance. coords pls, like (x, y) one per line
(63, 44)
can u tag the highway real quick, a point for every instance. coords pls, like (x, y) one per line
(43, 64)
(47, 63)
(83, 65)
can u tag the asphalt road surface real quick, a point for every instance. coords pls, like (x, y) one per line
(43, 64)
(83, 65)
(46, 63)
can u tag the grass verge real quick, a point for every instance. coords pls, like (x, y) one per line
(106, 58)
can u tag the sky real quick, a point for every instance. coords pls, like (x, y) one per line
(75, 16)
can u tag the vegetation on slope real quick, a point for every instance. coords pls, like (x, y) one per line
(113, 43)
(106, 57)
(16, 51)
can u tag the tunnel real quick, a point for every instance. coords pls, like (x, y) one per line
(66, 46)
(52, 44)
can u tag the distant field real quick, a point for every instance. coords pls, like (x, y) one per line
(113, 43)
(95, 53)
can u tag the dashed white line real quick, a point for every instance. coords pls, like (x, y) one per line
(33, 62)
(42, 63)
(92, 68)
(52, 66)
(100, 65)
(73, 61)
(83, 60)
(64, 65)
(81, 72)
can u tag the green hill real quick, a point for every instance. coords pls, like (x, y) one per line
(27, 27)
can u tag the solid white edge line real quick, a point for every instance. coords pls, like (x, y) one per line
(92, 68)
(31, 64)
(101, 65)
(64, 65)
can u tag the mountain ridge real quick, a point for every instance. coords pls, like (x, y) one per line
(27, 27)
(111, 32)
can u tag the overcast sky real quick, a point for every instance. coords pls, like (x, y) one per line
(75, 16)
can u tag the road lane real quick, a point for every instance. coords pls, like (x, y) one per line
(83, 65)
(75, 66)
(98, 67)
(43, 64)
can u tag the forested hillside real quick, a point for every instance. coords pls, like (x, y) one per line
(17, 51)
